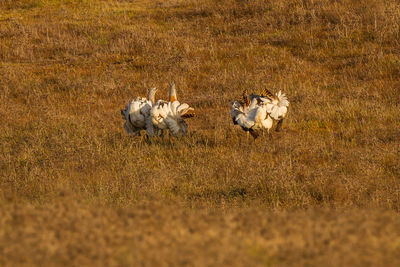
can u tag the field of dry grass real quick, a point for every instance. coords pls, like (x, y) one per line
(75, 189)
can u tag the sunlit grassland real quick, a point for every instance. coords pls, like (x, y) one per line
(324, 190)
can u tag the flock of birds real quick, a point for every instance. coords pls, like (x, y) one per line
(254, 113)
(156, 117)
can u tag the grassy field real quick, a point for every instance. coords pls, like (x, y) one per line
(76, 190)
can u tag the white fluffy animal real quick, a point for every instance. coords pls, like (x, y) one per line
(137, 113)
(256, 112)
(277, 106)
(169, 115)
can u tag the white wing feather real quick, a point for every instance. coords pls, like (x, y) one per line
(254, 116)
(277, 108)
(158, 114)
(174, 107)
(168, 115)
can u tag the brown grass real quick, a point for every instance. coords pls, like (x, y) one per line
(76, 190)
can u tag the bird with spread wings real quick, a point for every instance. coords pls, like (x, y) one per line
(169, 115)
(257, 112)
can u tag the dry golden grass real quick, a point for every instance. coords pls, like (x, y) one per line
(76, 190)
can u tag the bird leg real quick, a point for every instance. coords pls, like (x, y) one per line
(170, 139)
(146, 139)
(253, 134)
(279, 126)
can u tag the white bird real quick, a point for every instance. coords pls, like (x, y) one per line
(256, 112)
(251, 115)
(137, 113)
(170, 115)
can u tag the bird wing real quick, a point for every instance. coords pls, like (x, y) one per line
(125, 112)
(150, 131)
(239, 116)
(174, 106)
(280, 108)
(283, 101)
(176, 125)
(277, 107)
(158, 113)
(244, 121)
(130, 128)
(145, 108)
(266, 93)
(139, 110)
(183, 110)
(236, 108)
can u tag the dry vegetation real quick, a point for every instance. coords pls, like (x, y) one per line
(76, 190)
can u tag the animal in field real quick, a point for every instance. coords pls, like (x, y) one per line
(277, 106)
(137, 113)
(257, 112)
(169, 115)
